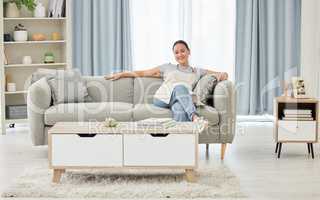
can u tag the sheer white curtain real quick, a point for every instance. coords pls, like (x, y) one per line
(207, 25)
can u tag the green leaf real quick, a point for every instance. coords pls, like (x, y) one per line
(30, 4)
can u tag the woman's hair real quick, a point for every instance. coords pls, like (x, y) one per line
(181, 42)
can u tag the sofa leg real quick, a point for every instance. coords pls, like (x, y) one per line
(57, 175)
(223, 150)
(207, 148)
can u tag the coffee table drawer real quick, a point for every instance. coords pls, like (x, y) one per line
(85, 151)
(152, 150)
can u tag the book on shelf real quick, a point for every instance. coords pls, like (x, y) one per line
(56, 8)
(297, 111)
(298, 115)
(298, 118)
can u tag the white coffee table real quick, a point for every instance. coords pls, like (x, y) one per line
(80, 145)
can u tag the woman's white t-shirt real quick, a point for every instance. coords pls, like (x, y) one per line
(174, 75)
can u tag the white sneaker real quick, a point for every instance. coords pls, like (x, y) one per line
(202, 123)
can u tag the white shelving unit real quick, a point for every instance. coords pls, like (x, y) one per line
(14, 51)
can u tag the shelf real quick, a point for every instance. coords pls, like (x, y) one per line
(284, 99)
(12, 121)
(35, 65)
(17, 92)
(37, 42)
(35, 18)
(284, 120)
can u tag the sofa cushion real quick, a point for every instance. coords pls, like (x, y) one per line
(209, 113)
(101, 90)
(67, 86)
(204, 89)
(144, 89)
(144, 111)
(88, 112)
(43, 73)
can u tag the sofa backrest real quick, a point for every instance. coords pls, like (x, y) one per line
(144, 89)
(128, 90)
(101, 90)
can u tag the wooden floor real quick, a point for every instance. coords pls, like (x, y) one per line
(251, 157)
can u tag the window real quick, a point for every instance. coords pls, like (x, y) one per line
(207, 25)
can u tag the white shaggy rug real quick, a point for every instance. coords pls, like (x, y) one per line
(213, 182)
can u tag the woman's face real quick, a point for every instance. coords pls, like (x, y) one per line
(181, 54)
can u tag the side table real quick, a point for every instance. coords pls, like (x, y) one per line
(296, 120)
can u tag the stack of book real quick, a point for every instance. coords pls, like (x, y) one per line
(156, 123)
(297, 115)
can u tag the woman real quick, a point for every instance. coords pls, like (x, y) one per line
(175, 91)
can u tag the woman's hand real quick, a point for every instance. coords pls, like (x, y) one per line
(221, 76)
(113, 77)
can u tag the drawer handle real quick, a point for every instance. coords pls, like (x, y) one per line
(159, 134)
(86, 135)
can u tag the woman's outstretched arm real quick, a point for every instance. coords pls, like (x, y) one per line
(219, 75)
(154, 72)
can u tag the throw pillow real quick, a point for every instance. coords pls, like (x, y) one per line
(41, 72)
(67, 86)
(204, 89)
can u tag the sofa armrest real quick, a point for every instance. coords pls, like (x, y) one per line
(38, 101)
(224, 99)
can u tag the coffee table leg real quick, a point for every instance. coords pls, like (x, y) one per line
(57, 175)
(191, 175)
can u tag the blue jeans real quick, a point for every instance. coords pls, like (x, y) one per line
(180, 104)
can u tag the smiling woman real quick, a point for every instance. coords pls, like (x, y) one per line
(176, 90)
(207, 25)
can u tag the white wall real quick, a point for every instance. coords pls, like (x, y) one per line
(310, 46)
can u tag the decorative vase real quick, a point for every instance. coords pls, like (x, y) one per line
(11, 87)
(12, 10)
(38, 37)
(39, 11)
(20, 36)
(27, 60)
(6, 37)
(56, 36)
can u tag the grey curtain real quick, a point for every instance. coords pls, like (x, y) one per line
(101, 36)
(267, 51)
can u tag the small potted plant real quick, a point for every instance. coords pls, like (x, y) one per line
(20, 33)
(13, 6)
(48, 57)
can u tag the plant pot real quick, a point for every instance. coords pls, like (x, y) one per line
(20, 36)
(12, 10)
(24, 12)
(48, 57)
(39, 11)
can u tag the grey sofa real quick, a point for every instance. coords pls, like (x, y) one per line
(128, 99)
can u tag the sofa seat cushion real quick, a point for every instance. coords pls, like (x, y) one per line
(70, 112)
(144, 111)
